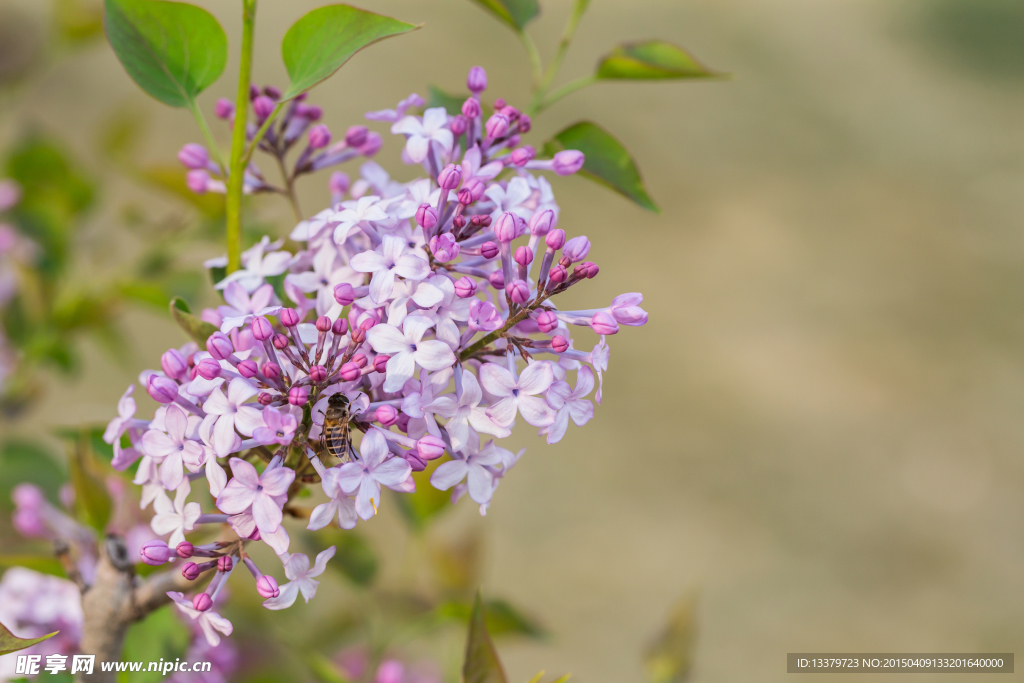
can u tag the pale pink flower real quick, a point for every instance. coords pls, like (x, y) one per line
(258, 265)
(387, 262)
(300, 579)
(171, 447)
(464, 411)
(365, 476)
(422, 133)
(407, 350)
(518, 395)
(241, 307)
(570, 403)
(278, 427)
(175, 518)
(118, 426)
(474, 465)
(263, 494)
(209, 621)
(233, 412)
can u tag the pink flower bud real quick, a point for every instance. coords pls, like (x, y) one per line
(356, 136)
(185, 550)
(604, 323)
(318, 373)
(518, 291)
(499, 104)
(417, 464)
(380, 363)
(155, 552)
(477, 187)
(568, 161)
(350, 372)
(319, 136)
(471, 108)
(265, 399)
(194, 156)
(403, 422)
(511, 112)
(254, 92)
(224, 109)
(272, 92)
(202, 602)
(224, 563)
(280, 342)
(449, 177)
(497, 126)
(372, 145)
(255, 535)
(261, 328)
(523, 256)
(506, 229)
(162, 389)
(547, 321)
(360, 359)
(208, 368)
(555, 239)
(458, 125)
(297, 396)
(344, 294)
(366, 323)
(191, 571)
(174, 364)
(576, 249)
(592, 269)
(262, 106)
(522, 155)
(430, 447)
(465, 287)
(358, 336)
(497, 280)
(426, 216)
(197, 180)
(267, 587)
(465, 197)
(289, 317)
(386, 415)
(559, 344)
(558, 274)
(443, 247)
(271, 370)
(489, 250)
(340, 327)
(323, 324)
(219, 345)
(313, 112)
(525, 123)
(542, 222)
(248, 368)
(477, 80)
(338, 184)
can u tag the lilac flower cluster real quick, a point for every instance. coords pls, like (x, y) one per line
(426, 304)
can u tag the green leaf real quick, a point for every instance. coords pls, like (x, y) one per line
(161, 635)
(439, 98)
(323, 668)
(421, 506)
(172, 50)
(44, 564)
(354, 557)
(27, 462)
(198, 330)
(12, 643)
(91, 497)
(502, 618)
(319, 43)
(607, 161)
(482, 664)
(515, 13)
(669, 658)
(651, 60)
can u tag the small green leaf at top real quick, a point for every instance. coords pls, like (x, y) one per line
(515, 13)
(482, 664)
(319, 43)
(197, 330)
(651, 60)
(607, 161)
(12, 643)
(172, 50)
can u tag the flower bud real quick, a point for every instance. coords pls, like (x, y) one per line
(523, 256)
(366, 323)
(443, 247)
(219, 345)
(525, 123)
(360, 359)
(155, 552)
(591, 268)
(477, 80)
(319, 136)
(344, 294)
(511, 112)
(380, 363)
(289, 317)
(339, 183)
(297, 396)
(558, 274)
(358, 336)
(477, 187)
(547, 321)
(356, 136)
(430, 447)
(465, 197)
(497, 280)
(568, 161)
(576, 249)
(403, 422)
(340, 327)
(265, 399)
(272, 92)
(417, 464)
(559, 344)
(604, 323)
(565, 262)
(465, 287)
(350, 372)
(489, 250)
(518, 291)
(318, 373)
(261, 328)
(449, 177)
(224, 109)
(522, 155)
(542, 222)
(263, 106)
(323, 324)
(459, 221)
(267, 587)
(224, 563)
(280, 342)
(208, 368)
(471, 108)
(426, 216)
(386, 415)
(194, 156)
(458, 125)
(496, 126)
(313, 112)
(254, 92)
(191, 571)
(185, 550)
(162, 389)
(173, 363)
(255, 535)
(506, 229)
(555, 239)
(196, 180)
(202, 602)
(271, 370)
(499, 104)
(372, 145)
(248, 368)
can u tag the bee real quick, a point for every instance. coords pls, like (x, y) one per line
(335, 436)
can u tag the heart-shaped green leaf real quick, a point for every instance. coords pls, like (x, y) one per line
(198, 330)
(482, 664)
(12, 643)
(607, 161)
(319, 43)
(515, 13)
(172, 50)
(651, 60)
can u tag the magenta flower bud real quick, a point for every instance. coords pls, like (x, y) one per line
(319, 136)
(465, 287)
(458, 125)
(511, 112)
(356, 136)
(555, 239)
(358, 335)
(350, 372)
(604, 323)
(518, 291)
(465, 197)
(426, 216)
(191, 571)
(559, 344)
(525, 123)
(403, 422)
(313, 112)
(318, 373)
(224, 563)
(289, 317)
(372, 145)
(219, 345)
(224, 109)
(344, 294)
(271, 370)
(522, 155)
(254, 92)
(576, 249)
(499, 104)
(386, 415)
(367, 323)
(339, 327)
(265, 399)
(173, 363)
(417, 464)
(194, 156)
(267, 586)
(506, 229)
(592, 269)
(477, 187)
(272, 92)
(360, 359)
(497, 280)
(248, 369)
(202, 602)
(261, 328)
(471, 108)
(297, 396)
(558, 274)
(443, 247)
(255, 535)
(208, 368)
(185, 550)
(430, 447)
(380, 363)
(280, 342)
(262, 106)
(155, 552)
(162, 389)
(196, 180)
(339, 183)
(323, 324)
(477, 80)
(547, 321)
(496, 126)
(489, 250)
(523, 256)
(449, 177)
(568, 161)
(542, 222)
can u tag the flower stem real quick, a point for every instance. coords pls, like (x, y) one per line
(535, 61)
(563, 46)
(512, 321)
(568, 88)
(197, 114)
(236, 177)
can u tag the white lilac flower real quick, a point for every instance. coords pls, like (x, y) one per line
(327, 272)
(357, 214)
(233, 413)
(365, 476)
(170, 446)
(209, 621)
(388, 261)
(518, 395)
(570, 403)
(241, 307)
(258, 265)
(125, 419)
(300, 579)
(464, 411)
(407, 349)
(175, 518)
(512, 198)
(422, 133)
(340, 504)
(259, 494)
(475, 464)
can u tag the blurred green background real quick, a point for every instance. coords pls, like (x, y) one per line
(818, 433)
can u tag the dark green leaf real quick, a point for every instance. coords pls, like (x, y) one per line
(421, 506)
(482, 664)
(607, 161)
(670, 657)
(161, 635)
(172, 50)
(354, 557)
(515, 13)
(44, 564)
(198, 330)
(12, 643)
(26, 462)
(651, 60)
(91, 497)
(319, 43)
(502, 618)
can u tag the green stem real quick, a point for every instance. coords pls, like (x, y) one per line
(197, 114)
(568, 88)
(509, 324)
(563, 46)
(535, 60)
(260, 133)
(236, 176)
